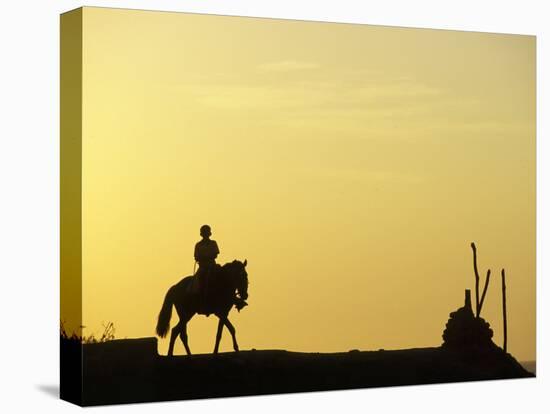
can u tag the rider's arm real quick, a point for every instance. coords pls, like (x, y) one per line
(216, 249)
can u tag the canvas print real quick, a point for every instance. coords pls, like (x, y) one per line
(260, 206)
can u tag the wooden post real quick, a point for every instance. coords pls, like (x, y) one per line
(504, 310)
(477, 277)
(468, 300)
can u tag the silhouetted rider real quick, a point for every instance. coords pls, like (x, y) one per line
(206, 252)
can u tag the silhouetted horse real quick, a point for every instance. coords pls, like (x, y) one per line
(222, 285)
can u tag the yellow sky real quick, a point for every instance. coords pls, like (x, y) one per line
(352, 166)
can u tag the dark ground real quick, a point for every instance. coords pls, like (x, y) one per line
(128, 371)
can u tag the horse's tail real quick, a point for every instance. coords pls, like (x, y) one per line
(163, 323)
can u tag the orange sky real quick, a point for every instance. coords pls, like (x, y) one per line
(352, 165)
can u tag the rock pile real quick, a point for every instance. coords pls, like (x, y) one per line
(464, 331)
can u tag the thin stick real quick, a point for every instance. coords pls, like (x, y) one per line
(504, 310)
(477, 277)
(484, 291)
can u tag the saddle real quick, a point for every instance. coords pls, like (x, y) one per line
(204, 293)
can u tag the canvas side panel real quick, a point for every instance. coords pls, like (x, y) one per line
(71, 206)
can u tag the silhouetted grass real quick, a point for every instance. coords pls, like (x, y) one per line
(107, 335)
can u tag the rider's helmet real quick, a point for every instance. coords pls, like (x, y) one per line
(205, 230)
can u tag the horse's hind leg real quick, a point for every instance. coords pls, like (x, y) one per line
(218, 335)
(183, 335)
(175, 332)
(231, 330)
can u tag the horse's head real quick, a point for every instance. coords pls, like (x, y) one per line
(240, 278)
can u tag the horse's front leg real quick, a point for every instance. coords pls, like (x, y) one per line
(218, 335)
(231, 330)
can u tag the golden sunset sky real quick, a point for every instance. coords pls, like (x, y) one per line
(352, 165)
